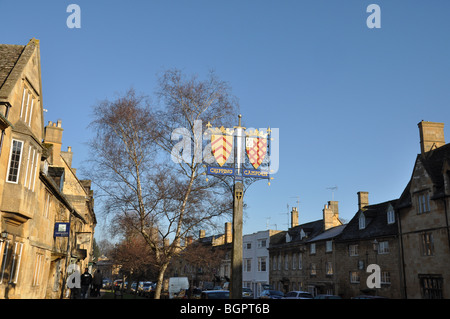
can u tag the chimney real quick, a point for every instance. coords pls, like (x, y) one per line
(68, 156)
(431, 136)
(294, 217)
(228, 233)
(201, 234)
(53, 135)
(363, 200)
(331, 215)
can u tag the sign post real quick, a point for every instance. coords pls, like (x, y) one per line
(256, 147)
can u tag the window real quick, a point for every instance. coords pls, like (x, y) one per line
(248, 246)
(312, 249)
(354, 277)
(431, 286)
(390, 215)
(4, 246)
(362, 221)
(385, 277)
(247, 265)
(262, 243)
(423, 203)
(286, 262)
(26, 111)
(262, 264)
(294, 261)
(329, 268)
(14, 161)
(329, 246)
(313, 269)
(38, 269)
(383, 247)
(353, 250)
(427, 244)
(300, 259)
(16, 258)
(47, 204)
(30, 171)
(279, 262)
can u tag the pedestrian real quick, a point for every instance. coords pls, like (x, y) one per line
(85, 281)
(98, 281)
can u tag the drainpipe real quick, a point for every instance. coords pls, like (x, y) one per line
(402, 254)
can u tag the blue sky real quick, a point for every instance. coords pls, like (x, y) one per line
(346, 98)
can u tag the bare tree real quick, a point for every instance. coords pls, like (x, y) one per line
(131, 162)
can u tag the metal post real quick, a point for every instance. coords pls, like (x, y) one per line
(236, 259)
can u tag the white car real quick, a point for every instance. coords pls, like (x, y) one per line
(298, 295)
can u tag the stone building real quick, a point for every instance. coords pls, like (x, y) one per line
(371, 237)
(423, 211)
(39, 190)
(303, 257)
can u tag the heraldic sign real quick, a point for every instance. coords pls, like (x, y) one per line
(227, 147)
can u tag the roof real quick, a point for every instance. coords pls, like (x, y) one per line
(329, 233)
(376, 223)
(433, 162)
(13, 59)
(9, 55)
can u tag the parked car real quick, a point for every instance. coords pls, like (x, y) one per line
(327, 297)
(215, 294)
(146, 288)
(117, 285)
(106, 284)
(271, 294)
(298, 295)
(247, 293)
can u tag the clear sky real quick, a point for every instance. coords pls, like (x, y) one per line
(346, 98)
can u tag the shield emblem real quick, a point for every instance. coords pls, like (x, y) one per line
(221, 146)
(256, 148)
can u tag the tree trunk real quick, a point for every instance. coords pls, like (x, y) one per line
(159, 283)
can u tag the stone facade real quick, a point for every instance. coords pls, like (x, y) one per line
(38, 187)
(423, 211)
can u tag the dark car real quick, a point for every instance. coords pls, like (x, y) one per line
(271, 294)
(369, 297)
(215, 294)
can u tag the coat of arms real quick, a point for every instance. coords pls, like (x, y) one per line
(256, 148)
(221, 145)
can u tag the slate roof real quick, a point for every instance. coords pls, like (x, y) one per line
(310, 229)
(13, 59)
(376, 223)
(9, 55)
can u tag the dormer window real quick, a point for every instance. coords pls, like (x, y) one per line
(362, 221)
(390, 215)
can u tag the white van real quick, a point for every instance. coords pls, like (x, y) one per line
(177, 285)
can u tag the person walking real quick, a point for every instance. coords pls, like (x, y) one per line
(85, 281)
(98, 281)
